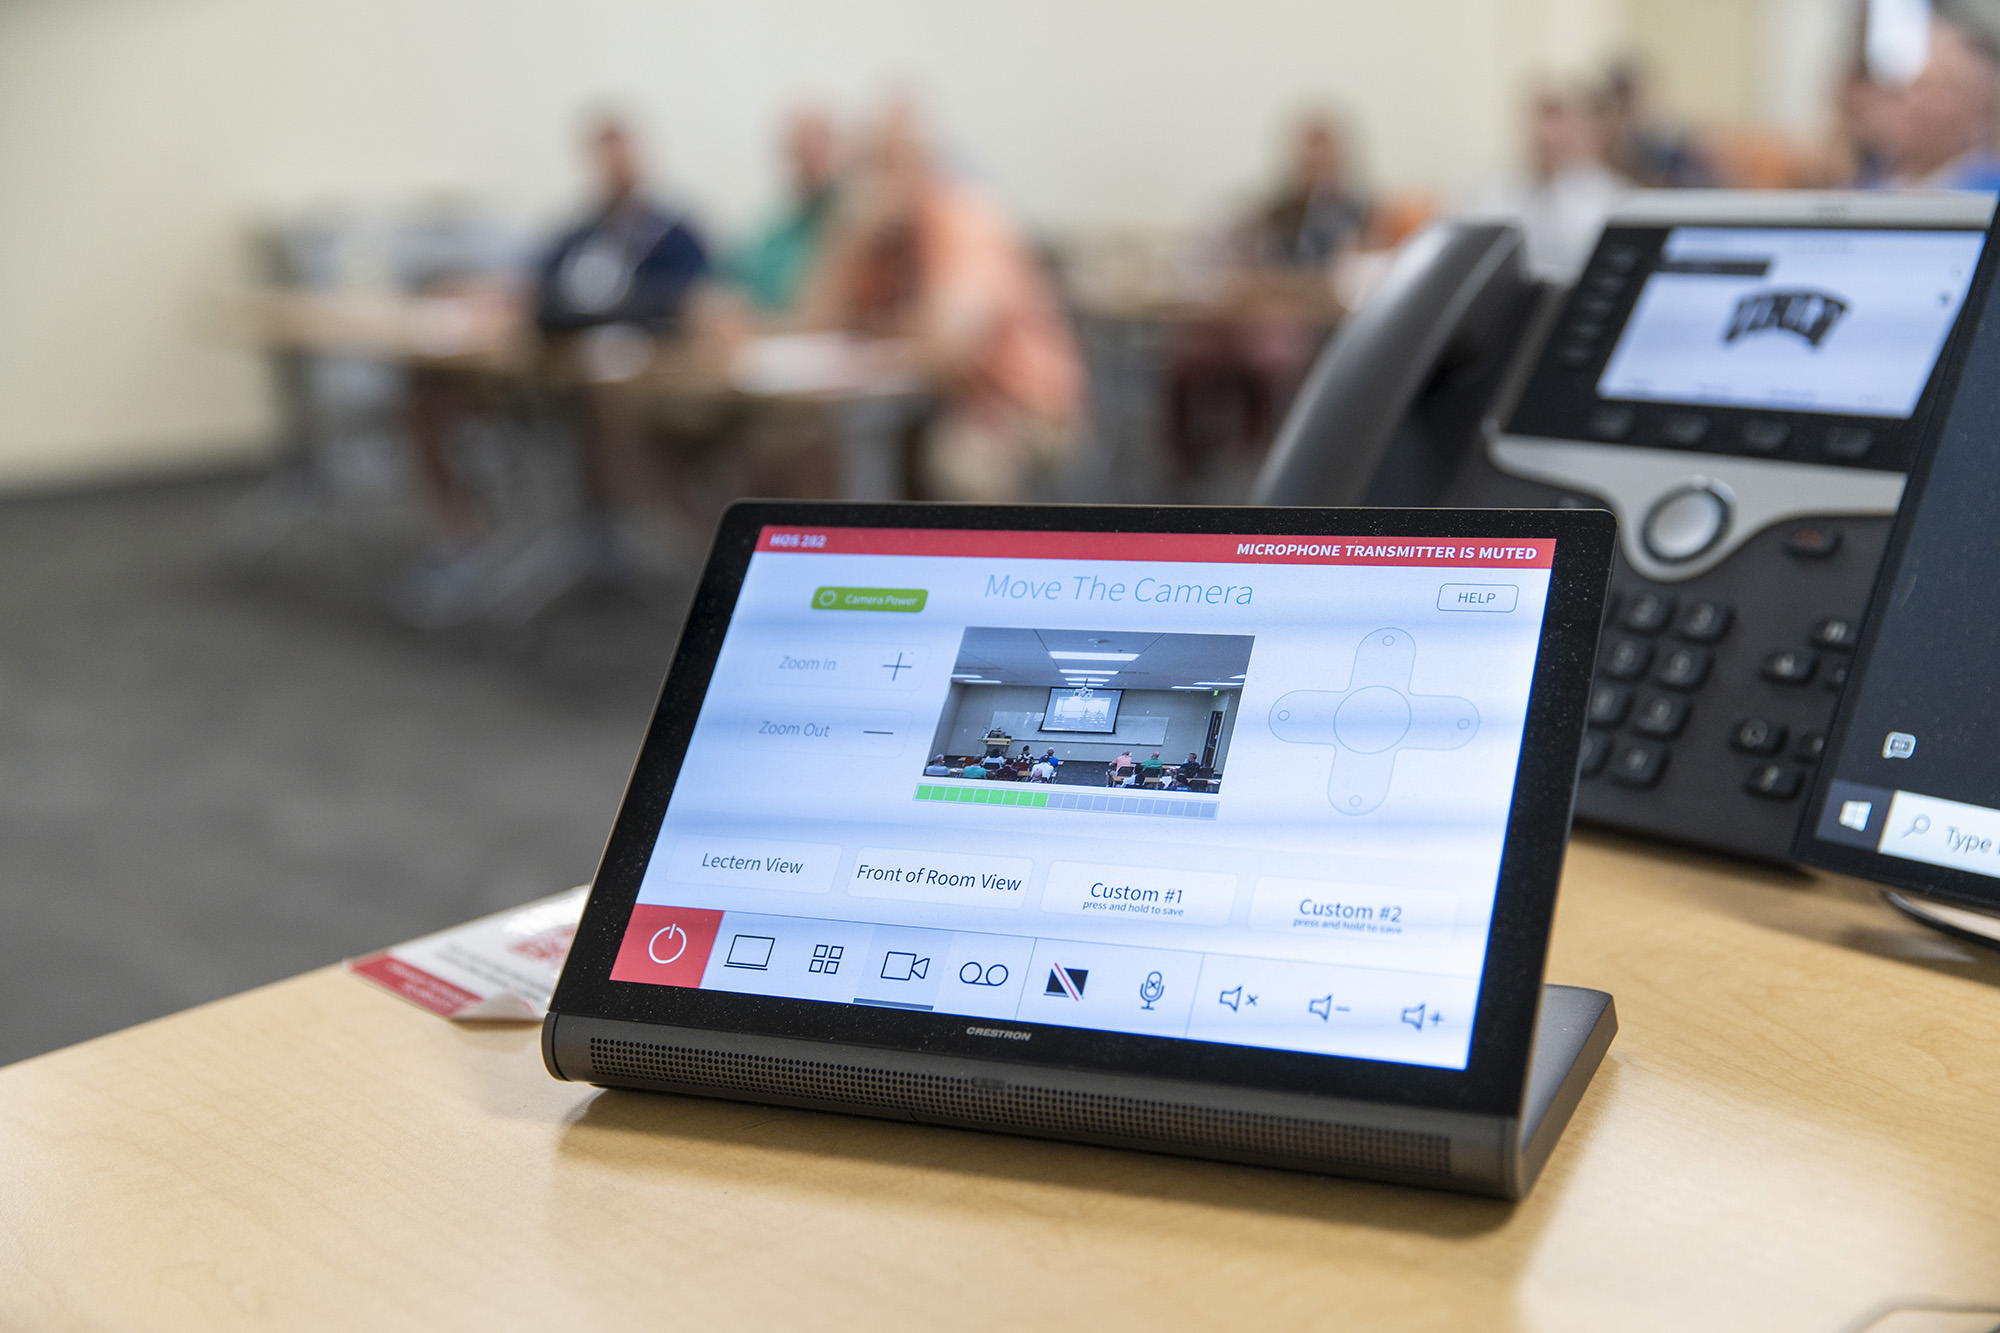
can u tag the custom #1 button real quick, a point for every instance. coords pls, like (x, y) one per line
(1139, 893)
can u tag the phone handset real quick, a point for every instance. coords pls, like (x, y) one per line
(1441, 298)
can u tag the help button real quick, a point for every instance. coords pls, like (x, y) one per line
(1477, 597)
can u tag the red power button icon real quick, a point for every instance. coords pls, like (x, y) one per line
(676, 944)
(666, 946)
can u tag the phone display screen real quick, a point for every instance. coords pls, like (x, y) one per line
(1807, 319)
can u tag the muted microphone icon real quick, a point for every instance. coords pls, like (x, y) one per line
(1152, 988)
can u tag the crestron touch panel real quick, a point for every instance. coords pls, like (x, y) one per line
(1226, 832)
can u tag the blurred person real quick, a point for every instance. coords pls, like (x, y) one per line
(1639, 145)
(630, 271)
(1938, 131)
(631, 260)
(772, 268)
(1851, 155)
(1569, 189)
(1317, 211)
(1286, 250)
(914, 254)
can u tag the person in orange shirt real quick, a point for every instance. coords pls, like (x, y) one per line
(919, 256)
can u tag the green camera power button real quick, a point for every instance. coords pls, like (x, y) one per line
(869, 599)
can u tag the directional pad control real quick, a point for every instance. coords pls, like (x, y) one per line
(1372, 720)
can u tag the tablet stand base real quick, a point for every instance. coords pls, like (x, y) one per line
(1961, 923)
(1572, 1033)
(1479, 1152)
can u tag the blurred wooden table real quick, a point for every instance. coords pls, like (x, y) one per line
(871, 388)
(1794, 1130)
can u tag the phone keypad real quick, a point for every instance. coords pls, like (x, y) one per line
(1655, 662)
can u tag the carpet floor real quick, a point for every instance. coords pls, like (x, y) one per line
(211, 779)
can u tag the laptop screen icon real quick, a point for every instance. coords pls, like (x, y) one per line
(751, 951)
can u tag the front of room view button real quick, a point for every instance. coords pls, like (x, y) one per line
(869, 599)
(1372, 720)
(962, 879)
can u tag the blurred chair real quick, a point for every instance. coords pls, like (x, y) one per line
(342, 459)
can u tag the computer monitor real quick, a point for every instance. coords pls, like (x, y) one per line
(1909, 789)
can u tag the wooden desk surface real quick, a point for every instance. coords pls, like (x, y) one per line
(1795, 1127)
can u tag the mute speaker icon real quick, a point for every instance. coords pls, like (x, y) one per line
(1323, 1006)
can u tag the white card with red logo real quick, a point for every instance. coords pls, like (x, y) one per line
(502, 966)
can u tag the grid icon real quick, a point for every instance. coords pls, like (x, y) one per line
(826, 958)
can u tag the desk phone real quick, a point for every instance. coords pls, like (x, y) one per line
(1741, 379)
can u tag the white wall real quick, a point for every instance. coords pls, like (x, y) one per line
(138, 136)
(969, 712)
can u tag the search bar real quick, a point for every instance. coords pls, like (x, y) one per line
(1942, 833)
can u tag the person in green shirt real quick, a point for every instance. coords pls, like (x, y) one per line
(975, 769)
(1151, 769)
(774, 265)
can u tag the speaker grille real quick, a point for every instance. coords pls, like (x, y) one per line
(1032, 1109)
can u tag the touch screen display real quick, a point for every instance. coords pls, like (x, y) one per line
(1813, 320)
(1916, 778)
(1248, 790)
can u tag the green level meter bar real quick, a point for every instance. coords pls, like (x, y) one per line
(983, 795)
(869, 599)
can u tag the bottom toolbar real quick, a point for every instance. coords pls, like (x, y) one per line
(1365, 1013)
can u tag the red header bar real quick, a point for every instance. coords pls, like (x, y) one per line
(1201, 548)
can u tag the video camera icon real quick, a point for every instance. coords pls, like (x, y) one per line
(898, 966)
